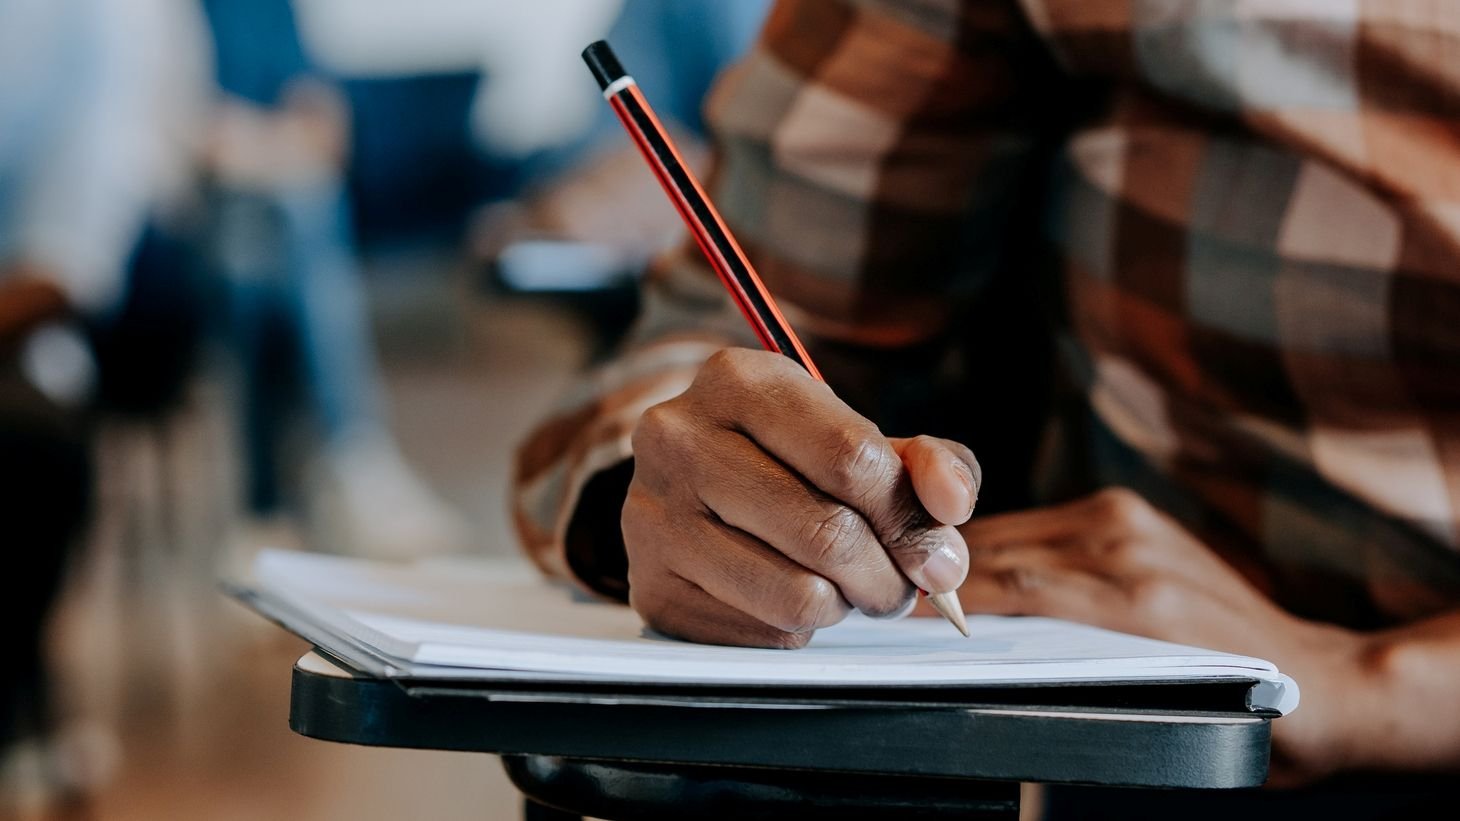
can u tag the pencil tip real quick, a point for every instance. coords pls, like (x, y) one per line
(950, 608)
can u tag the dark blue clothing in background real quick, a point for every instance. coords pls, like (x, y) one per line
(257, 49)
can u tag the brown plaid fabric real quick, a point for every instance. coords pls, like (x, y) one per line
(1255, 210)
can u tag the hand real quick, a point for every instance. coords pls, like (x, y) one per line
(763, 508)
(1114, 561)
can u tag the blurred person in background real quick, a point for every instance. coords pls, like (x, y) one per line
(294, 74)
(282, 239)
(98, 102)
(545, 149)
(1253, 212)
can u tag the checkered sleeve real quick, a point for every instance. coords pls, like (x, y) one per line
(1259, 238)
(852, 145)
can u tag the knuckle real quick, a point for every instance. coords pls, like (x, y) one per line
(808, 601)
(833, 538)
(1021, 582)
(1122, 505)
(736, 366)
(665, 434)
(925, 441)
(1126, 552)
(1155, 598)
(653, 429)
(913, 533)
(860, 463)
(720, 360)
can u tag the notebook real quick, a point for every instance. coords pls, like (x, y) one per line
(497, 620)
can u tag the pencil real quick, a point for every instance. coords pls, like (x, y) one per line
(712, 235)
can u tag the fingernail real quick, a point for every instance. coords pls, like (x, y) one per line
(960, 468)
(943, 571)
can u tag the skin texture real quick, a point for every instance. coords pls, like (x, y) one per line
(1380, 701)
(762, 508)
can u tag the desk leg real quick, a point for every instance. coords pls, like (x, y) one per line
(625, 790)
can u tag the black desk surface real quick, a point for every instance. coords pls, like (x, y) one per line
(1141, 735)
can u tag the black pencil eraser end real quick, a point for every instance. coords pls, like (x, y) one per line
(603, 63)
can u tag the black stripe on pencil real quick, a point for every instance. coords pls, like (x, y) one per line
(704, 222)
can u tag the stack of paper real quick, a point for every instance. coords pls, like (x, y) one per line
(493, 620)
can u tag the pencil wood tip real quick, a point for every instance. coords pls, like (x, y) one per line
(950, 608)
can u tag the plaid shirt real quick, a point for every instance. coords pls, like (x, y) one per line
(1254, 213)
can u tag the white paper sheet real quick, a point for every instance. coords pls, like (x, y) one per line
(474, 615)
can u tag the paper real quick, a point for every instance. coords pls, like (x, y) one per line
(461, 618)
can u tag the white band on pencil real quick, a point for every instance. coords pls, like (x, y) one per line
(618, 85)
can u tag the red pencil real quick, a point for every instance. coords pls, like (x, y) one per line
(704, 222)
(711, 233)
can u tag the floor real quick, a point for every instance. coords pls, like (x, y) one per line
(175, 697)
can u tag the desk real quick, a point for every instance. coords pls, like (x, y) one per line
(663, 753)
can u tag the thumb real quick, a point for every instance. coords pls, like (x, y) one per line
(945, 476)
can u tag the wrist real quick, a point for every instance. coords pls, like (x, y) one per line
(1413, 719)
(1380, 701)
(1342, 697)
